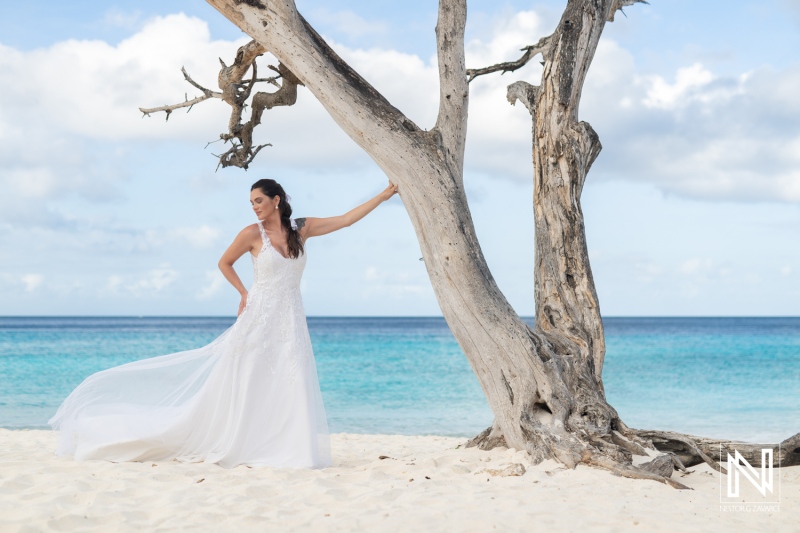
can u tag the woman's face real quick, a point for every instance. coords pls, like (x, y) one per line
(262, 204)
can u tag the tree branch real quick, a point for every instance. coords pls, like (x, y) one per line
(235, 93)
(243, 153)
(451, 123)
(524, 92)
(168, 109)
(207, 93)
(542, 47)
(272, 81)
(619, 4)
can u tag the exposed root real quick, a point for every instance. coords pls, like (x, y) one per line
(683, 446)
(676, 463)
(621, 440)
(487, 439)
(661, 465)
(614, 451)
(692, 450)
(630, 471)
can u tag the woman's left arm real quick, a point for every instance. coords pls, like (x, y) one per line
(312, 227)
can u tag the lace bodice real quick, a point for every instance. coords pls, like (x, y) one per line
(274, 270)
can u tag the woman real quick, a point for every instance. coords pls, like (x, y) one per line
(251, 396)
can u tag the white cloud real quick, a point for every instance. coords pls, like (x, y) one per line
(703, 136)
(692, 132)
(103, 85)
(199, 237)
(351, 24)
(66, 111)
(215, 281)
(118, 18)
(647, 272)
(154, 282)
(499, 135)
(32, 281)
(696, 265)
(688, 82)
(113, 284)
(395, 284)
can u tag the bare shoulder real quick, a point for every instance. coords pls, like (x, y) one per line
(252, 229)
(249, 232)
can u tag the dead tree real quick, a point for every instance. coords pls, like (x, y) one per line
(544, 384)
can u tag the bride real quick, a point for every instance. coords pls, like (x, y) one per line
(251, 397)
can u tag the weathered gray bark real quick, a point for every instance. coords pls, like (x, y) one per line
(543, 384)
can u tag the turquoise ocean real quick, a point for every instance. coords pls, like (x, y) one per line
(732, 378)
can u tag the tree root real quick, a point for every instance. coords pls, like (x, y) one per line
(621, 440)
(692, 450)
(487, 439)
(613, 452)
(631, 471)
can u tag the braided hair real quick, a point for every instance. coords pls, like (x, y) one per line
(272, 189)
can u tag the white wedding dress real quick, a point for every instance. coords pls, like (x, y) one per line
(250, 397)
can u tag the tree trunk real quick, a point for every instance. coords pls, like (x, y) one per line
(543, 384)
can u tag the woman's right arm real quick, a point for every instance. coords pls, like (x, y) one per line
(322, 226)
(240, 246)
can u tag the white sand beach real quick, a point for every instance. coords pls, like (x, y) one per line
(427, 483)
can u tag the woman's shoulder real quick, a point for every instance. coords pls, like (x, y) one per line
(250, 230)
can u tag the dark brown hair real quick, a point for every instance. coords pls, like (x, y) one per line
(272, 189)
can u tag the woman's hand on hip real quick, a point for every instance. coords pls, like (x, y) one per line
(242, 304)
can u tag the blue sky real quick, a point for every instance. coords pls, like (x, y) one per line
(693, 208)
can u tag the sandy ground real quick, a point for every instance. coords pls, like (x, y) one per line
(426, 484)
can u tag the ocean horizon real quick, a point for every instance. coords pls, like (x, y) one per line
(727, 377)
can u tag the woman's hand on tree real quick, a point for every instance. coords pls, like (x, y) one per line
(388, 192)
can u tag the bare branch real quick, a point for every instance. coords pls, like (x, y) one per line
(531, 51)
(238, 156)
(170, 108)
(524, 92)
(235, 92)
(619, 4)
(272, 81)
(241, 154)
(207, 93)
